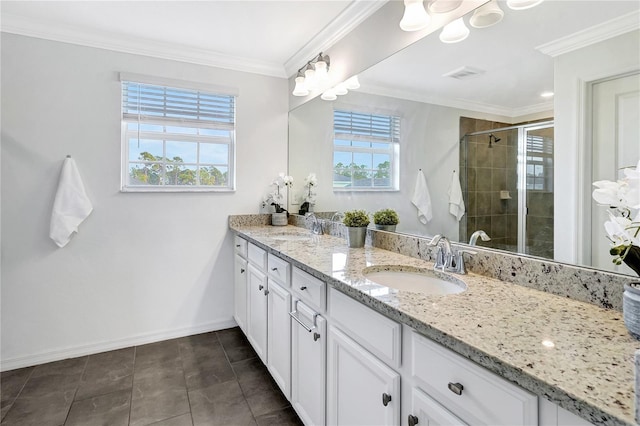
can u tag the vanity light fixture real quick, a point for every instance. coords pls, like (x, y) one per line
(522, 4)
(454, 32)
(443, 6)
(341, 89)
(312, 76)
(352, 83)
(415, 16)
(486, 15)
(329, 95)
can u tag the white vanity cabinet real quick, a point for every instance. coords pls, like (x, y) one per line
(361, 390)
(308, 364)
(362, 386)
(240, 283)
(279, 324)
(467, 391)
(257, 292)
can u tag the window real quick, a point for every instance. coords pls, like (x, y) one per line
(539, 163)
(365, 151)
(176, 139)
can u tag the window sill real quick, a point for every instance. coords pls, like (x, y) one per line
(173, 189)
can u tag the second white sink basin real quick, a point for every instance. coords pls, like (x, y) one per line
(415, 280)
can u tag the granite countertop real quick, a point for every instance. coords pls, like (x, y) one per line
(575, 354)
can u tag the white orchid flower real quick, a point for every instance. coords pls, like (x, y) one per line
(311, 180)
(607, 193)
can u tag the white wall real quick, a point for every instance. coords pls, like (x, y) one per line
(144, 266)
(573, 74)
(429, 141)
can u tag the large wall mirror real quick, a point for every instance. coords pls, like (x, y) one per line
(474, 112)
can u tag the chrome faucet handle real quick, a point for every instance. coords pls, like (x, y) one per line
(440, 259)
(459, 266)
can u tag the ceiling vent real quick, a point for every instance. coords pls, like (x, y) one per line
(464, 73)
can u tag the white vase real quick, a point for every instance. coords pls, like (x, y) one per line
(279, 219)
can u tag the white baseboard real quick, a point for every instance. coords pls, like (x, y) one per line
(140, 339)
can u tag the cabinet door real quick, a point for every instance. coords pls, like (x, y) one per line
(362, 390)
(257, 313)
(279, 337)
(308, 366)
(427, 412)
(240, 292)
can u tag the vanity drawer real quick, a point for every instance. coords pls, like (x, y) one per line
(279, 270)
(257, 257)
(309, 289)
(375, 332)
(240, 246)
(485, 398)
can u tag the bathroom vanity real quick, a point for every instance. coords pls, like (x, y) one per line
(345, 350)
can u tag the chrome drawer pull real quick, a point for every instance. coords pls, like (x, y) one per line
(304, 287)
(294, 315)
(238, 245)
(260, 287)
(274, 269)
(413, 420)
(455, 388)
(386, 399)
(241, 271)
(266, 292)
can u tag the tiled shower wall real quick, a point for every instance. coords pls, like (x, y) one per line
(485, 172)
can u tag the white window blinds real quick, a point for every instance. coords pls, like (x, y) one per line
(362, 126)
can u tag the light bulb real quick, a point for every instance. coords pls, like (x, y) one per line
(487, 15)
(443, 6)
(341, 89)
(300, 89)
(415, 17)
(329, 95)
(321, 71)
(352, 83)
(454, 32)
(522, 4)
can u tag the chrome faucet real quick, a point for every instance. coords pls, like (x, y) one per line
(337, 216)
(316, 227)
(444, 256)
(479, 233)
(446, 259)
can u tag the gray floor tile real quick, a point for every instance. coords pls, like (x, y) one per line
(45, 410)
(158, 397)
(11, 383)
(156, 353)
(105, 410)
(286, 417)
(183, 420)
(259, 388)
(70, 367)
(107, 372)
(220, 404)
(235, 344)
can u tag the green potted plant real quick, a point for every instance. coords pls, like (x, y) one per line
(356, 222)
(386, 220)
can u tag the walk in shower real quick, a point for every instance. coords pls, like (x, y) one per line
(507, 181)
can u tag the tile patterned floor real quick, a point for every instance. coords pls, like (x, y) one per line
(208, 379)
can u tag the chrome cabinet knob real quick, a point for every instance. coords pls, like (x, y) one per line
(413, 420)
(241, 271)
(260, 287)
(266, 292)
(386, 399)
(316, 336)
(455, 388)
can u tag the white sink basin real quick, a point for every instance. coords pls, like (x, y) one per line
(413, 279)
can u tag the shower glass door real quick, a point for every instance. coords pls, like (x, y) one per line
(535, 195)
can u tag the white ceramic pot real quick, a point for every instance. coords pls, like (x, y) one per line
(631, 308)
(279, 219)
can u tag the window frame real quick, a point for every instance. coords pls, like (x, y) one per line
(393, 151)
(164, 137)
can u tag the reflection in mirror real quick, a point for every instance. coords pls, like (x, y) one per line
(454, 100)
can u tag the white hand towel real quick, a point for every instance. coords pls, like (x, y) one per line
(456, 202)
(71, 206)
(422, 199)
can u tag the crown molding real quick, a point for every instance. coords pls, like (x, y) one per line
(352, 16)
(595, 34)
(457, 103)
(21, 25)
